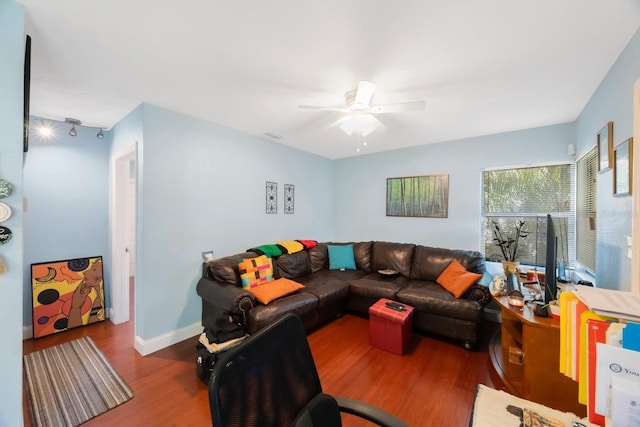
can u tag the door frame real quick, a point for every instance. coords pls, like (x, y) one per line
(120, 169)
(635, 186)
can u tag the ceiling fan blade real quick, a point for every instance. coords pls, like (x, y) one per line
(365, 92)
(319, 107)
(398, 108)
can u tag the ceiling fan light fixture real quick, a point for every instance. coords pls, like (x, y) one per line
(359, 123)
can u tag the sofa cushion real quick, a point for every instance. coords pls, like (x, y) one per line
(329, 287)
(275, 289)
(301, 303)
(362, 254)
(319, 257)
(377, 286)
(429, 263)
(341, 257)
(456, 279)
(429, 297)
(255, 271)
(393, 256)
(226, 269)
(292, 265)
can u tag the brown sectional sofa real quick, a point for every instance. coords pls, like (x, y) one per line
(330, 293)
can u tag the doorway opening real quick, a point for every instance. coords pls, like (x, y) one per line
(123, 234)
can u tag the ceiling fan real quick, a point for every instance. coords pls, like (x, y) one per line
(358, 106)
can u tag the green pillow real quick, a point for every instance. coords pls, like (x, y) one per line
(341, 257)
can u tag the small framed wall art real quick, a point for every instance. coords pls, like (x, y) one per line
(605, 147)
(623, 168)
(289, 198)
(271, 197)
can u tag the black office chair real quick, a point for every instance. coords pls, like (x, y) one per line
(270, 379)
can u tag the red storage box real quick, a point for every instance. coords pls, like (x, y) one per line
(390, 329)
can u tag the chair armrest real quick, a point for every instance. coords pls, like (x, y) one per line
(225, 296)
(479, 293)
(368, 412)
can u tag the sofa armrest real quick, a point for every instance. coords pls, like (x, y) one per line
(479, 293)
(225, 296)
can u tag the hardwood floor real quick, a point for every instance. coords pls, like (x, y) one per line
(433, 385)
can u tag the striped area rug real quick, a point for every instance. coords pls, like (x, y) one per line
(71, 383)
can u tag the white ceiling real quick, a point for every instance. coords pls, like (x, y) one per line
(482, 67)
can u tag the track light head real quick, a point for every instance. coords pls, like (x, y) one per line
(73, 122)
(100, 135)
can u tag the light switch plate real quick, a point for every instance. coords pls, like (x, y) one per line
(628, 244)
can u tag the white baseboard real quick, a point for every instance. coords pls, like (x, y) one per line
(145, 347)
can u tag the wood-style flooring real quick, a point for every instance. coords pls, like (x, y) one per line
(433, 385)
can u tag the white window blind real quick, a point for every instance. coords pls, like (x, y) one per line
(528, 194)
(587, 173)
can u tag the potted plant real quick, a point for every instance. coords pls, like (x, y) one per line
(508, 244)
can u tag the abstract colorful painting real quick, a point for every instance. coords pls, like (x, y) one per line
(67, 294)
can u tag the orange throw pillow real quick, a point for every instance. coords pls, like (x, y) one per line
(275, 289)
(456, 279)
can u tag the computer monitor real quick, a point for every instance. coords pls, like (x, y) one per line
(550, 291)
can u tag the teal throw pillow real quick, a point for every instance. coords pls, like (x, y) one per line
(341, 257)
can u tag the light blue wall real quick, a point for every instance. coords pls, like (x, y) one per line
(612, 101)
(127, 131)
(360, 185)
(12, 41)
(203, 188)
(65, 183)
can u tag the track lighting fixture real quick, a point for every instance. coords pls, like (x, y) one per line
(74, 122)
(100, 135)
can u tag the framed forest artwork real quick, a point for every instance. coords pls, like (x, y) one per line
(418, 196)
(67, 294)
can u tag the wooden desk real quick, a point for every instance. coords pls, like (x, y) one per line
(528, 359)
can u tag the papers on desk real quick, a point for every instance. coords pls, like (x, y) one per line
(625, 411)
(617, 373)
(600, 348)
(607, 302)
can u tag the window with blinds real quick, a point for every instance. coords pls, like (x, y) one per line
(587, 172)
(529, 194)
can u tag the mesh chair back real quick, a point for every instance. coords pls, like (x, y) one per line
(265, 381)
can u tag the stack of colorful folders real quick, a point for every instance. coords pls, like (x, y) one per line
(600, 348)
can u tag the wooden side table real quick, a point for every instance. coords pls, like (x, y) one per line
(528, 359)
